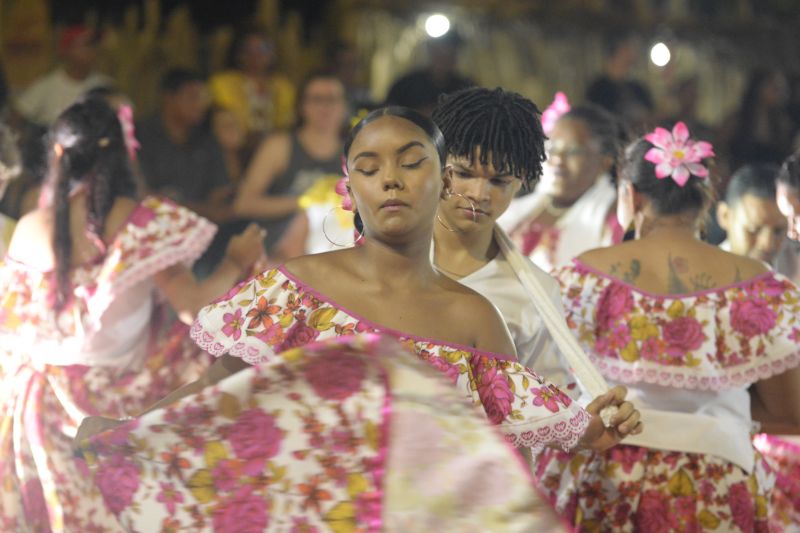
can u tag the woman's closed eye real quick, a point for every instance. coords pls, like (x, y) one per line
(367, 171)
(415, 164)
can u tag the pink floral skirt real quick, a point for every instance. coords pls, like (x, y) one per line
(44, 488)
(630, 488)
(784, 458)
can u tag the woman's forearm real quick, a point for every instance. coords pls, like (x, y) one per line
(265, 207)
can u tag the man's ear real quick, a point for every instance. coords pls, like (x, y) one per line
(447, 182)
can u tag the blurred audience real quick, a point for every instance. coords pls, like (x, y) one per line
(788, 194)
(179, 157)
(262, 99)
(44, 101)
(232, 138)
(421, 89)
(761, 131)
(343, 59)
(288, 164)
(616, 90)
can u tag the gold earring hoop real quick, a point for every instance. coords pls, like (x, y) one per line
(327, 237)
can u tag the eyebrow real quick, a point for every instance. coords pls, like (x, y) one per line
(400, 150)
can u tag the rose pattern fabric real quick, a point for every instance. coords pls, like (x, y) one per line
(630, 489)
(41, 405)
(783, 457)
(284, 314)
(333, 463)
(711, 340)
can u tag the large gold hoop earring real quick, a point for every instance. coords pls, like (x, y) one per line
(325, 232)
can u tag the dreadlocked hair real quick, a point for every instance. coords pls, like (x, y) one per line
(504, 125)
(93, 154)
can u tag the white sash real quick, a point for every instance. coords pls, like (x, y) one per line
(585, 372)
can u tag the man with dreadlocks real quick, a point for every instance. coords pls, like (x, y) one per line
(495, 146)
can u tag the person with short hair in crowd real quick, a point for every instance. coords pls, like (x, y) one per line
(179, 156)
(44, 101)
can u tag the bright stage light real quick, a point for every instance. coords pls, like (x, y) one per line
(660, 54)
(437, 25)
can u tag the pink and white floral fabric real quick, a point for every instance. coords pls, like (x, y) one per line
(353, 434)
(692, 355)
(711, 340)
(783, 456)
(275, 312)
(100, 359)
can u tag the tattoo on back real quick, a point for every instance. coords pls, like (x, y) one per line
(630, 275)
(675, 284)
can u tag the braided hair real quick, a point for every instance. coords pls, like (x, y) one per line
(93, 154)
(502, 124)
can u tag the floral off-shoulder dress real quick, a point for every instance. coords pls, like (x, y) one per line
(348, 435)
(687, 360)
(275, 312)
(111, 352)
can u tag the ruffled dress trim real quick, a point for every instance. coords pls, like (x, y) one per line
(714, 340)
(157, 235)
(274, 312)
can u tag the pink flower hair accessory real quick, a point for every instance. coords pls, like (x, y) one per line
(341, 188)
(677, 156)
(555, 111)
(125, 116)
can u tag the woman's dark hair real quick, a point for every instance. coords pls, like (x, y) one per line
(322, 74)
(94, 155)
(790, 171)
(421, 121)
(666, 196)
(604, 128)
(502, 124)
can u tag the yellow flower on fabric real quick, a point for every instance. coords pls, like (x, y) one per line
(681, 484)
(630, 353)
(642, 328)
(676, 310)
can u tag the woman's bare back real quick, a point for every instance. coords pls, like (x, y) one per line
(32, 240)
(673, 266)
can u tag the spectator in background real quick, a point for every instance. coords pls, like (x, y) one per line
(179, 156)
(572, 208)
(261, 99)
(616, 91)
(232, 138)
(287, 164)
(761, 131)
(421, 89)
(686, 94)
(44, 101)
(788, 194)
(750, 215)
(343, 60)
(181, 159)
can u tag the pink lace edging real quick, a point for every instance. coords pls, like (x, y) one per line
(684, 379)
(208, 342)
(191, 248)
(566, 432)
